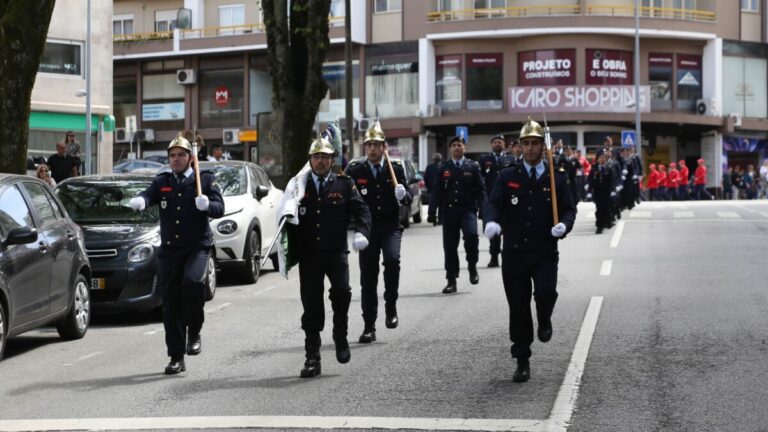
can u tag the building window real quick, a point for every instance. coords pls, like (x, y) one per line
(750, 6)
(165, 21)
(62, 58)
(484, 81)
(688, 81)
(231, 16)
(393, 86)
(122, 25)
(448, 79)
(388, 5)
(490, 8)
(124, 99)
(337, 13)
(221, 98)
(660, 79)
(162, 101)
(745, 92)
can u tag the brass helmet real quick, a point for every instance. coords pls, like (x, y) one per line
(180, 141)
(374, 133)
(531, 129)
(320, 145)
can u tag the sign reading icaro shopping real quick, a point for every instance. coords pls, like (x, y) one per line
(577, 99)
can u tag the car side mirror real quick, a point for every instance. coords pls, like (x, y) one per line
(261, 192)
(20, 235)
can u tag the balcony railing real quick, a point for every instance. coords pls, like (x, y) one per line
(220, 31)
(554, 10)
(653, 12)
(136, 37)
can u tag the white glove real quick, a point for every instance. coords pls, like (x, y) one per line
(359, 242)
(586, 187)
(399, 192)
(137, 203)
(619, 188)
(492, 229)
(589, 196)
(634, 177)
(613, 194)
(623, 172)
(202, 203)
(558, 230)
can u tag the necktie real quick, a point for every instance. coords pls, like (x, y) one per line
(320, 182)
(376, 171)
(458, 164)
(180, 178)
(533, 174)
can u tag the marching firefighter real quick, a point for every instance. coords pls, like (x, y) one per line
(490, 165)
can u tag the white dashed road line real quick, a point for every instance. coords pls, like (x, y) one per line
(218, 308)
(728, 215)
(617, 234)
(683, 214)
(605, 269)
(640, 214)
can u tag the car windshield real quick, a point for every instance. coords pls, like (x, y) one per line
(102, 202)
(231, 179)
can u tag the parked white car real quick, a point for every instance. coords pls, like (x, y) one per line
(247, 228)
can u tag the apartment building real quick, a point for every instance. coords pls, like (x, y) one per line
(58, 101)
(433, 67)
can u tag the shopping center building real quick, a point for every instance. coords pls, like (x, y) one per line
(433, 67)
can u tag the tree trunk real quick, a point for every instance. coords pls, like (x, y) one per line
(297, 45)
(23, 31)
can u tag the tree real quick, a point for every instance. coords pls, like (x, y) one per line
(296, 48)
(23, 30)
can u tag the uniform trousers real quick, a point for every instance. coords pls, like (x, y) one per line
(456, 222)
(313, 268)
(602, 209)
(385, 240)
(182, 275)
(524, 273)
(682, 192)
(700, 192)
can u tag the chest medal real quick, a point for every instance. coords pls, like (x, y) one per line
(302, 211)
(514, 200)
(364, 191)
(163, 204)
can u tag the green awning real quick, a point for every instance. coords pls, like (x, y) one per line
(61, 121)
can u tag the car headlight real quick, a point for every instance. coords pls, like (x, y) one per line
(141, 252)
(227, 227)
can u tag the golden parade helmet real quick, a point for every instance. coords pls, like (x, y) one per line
(374, 133)
(180, 141)
(531, 129)
(321, 145)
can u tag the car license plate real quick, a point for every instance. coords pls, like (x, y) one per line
(98, 283)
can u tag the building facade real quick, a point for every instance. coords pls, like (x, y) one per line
(432, 67)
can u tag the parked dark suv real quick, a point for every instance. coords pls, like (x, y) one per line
(44, 270)
(122, 244)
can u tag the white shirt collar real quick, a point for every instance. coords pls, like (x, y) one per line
(187, 173)
(539, 167)
(460, 161)
(315, 177)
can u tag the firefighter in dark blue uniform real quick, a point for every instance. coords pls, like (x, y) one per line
(329, 202)
(601, 189)
(374, 183)
(459, 194)
(186, 246)
(490, 165)
(520, 208)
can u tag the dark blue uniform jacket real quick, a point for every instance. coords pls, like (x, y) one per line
(379, 193)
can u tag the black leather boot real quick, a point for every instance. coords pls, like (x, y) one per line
(369, 334)
(342, 349)
(523, 371)
(312, 364)
(474, 278)
(175, 366)
(391, 320)
(451, 287)
(494, 262)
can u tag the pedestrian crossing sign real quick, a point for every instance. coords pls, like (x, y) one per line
(628, 138)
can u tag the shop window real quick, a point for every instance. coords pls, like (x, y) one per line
(334, 76)
(122, 25)
(750, 6)
(231, 16)
(609, 67)
(660, 80)
(165, 21)
(388, 5)
(221, 98)
(162, 105)
(484, 81)
(448, 79)
(393, 86)
(124, 99)
(546, 67)
(62, 58)
(745, 92)
(688, 81)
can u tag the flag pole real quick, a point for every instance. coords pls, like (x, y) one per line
(196, 166)
(548, 142)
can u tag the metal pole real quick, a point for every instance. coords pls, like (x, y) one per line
(348, 78)
(638, 136)
(87, 158)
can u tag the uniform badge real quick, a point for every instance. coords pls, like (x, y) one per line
(163, 204)
(364, 191)
(514, 200)
(302, 211)
(488, 169)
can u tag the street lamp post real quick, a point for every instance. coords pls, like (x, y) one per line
(638, 136)
(87, 158)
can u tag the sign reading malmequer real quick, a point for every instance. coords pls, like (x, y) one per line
(546, 67)
(619, 99)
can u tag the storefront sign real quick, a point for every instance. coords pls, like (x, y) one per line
(657, 59)
(609, 67)
(483, 60)
(546, 67)
(620, 99)
(61, 58)
(221, 96)
(164, 111)
(394, 68)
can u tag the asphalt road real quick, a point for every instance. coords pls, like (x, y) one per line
(679, 344)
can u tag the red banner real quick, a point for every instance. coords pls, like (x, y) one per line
(609, 67)
(546, 67)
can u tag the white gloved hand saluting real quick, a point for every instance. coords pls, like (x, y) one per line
(137, 203)
(359, 242)
(558, 230)
(589, 196)
(399, 192)
(492, 229)
(202, 203)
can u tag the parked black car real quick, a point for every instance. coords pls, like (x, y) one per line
(44, 270)
(122, 244)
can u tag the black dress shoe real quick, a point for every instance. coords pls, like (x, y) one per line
(545, 330)
(311, 368)
(368, 336)
(451, 287)
(175, 366)
(342, 349)
(391, 321)
(194, 345)
(494, 262)
(599, 231)
(474, 278)
(522, 373)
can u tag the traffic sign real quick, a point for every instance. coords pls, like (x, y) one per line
(628, 138)
(463, 131)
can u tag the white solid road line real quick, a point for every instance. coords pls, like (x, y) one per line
(558, 421)
(565, 403)
(605, 269)
(617, 234)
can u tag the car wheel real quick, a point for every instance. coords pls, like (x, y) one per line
(75, 324)
(210, 280)
(252, 255)
(3, 331)
(275, 261)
